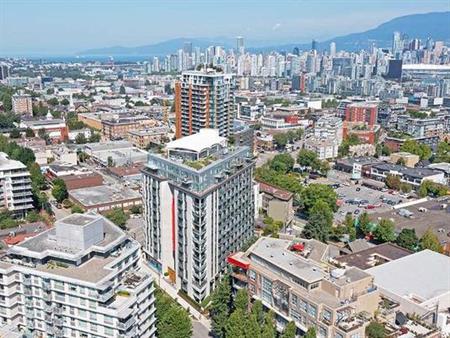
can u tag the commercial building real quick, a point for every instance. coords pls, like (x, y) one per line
(142, 138)
(15, 186)
(424, 292)
(117, 153)
(413, 176)
(198, 207)
(78, 279)
(204, 99)
(103, 198)
(118, 128)
(282, 274)
(364, 112)
(56, 129)
(22, 104)
(408, 159)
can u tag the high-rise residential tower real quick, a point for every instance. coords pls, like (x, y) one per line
(199, 206)
(240, 48)
(204, 99)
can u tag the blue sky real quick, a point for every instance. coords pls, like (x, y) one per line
(68, 26)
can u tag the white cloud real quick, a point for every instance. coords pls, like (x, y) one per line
(276, 26)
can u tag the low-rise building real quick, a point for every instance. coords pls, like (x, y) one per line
(276, 203)
(15, 186)
(337, 302)
(408, 159)
(78, 279)
(413, 176)
(56, 129)
(142, 138)
(115, 153)
(103, 198)
(324, 148)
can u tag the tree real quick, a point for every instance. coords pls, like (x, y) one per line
(220, 307)
(76, 209)
(442, 153)
(15, 133)
(118, 217)
(172, 321)
(283, 163)
(307, 158)
(344, 148)
(320, 221)
(236, 324)
(29, 132)
(407, 239)
(80, 139)
(268, 330)
(431, 188)
(289, 330)
(33, 216)
(314, 192)
(95, 137)
(65, 102)
(50, 91)
(122, 90)
(136, 209)
(311, 333)
(430, 241)
(59, 190)
(53, 101)
(252, 328)
(280, 140)
(110, 162)
(405, 187)
(364, 223)
(413, 147)
(375, 330)
(393, 182)
(385, 231)
(258, 312)
(241, 300)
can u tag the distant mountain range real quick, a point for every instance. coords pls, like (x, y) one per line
(422, 26)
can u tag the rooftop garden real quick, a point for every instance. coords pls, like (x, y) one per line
(398, 134)
(201, 163)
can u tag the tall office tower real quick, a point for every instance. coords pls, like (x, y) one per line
(77, 279)
(296, 51)
(4, 71)
(204, 99)
(397, 44)
(314, 45)
(333, 49)
(15, 186)
(198, 208)
(240, 48)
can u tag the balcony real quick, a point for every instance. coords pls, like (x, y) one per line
(104, 297)
(125, 326)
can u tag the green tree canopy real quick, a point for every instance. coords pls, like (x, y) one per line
(393, 182)
(236, 325)
(15, 133)
(413, 147)
(311, 333)
(314, 192)
(320, 221)
(241, 300)
(385, 231)
(59, 190)
(289, 331)
(442, 153)
(407, 239)
(220, 307)
(281, 140)
(375, 330)
(172, 321)
(118, 217)
(430, 241)
(283, 163)
(307, 158)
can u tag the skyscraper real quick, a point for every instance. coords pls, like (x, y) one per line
(204, 99)
(198, 208)
(333, 49)
(187, 47)
(240, 48)
(397, 44)
(314, 45)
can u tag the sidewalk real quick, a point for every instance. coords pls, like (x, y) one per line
(172, 292)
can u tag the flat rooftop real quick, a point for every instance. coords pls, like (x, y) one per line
(205, 138)
(403, 277)
(103, 194)
(364, 259)
(435, 218)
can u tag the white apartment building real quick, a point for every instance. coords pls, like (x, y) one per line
(15, 186)
(22, 104)
(324, 148)
(78, 279)
(329, 127)
(198, 208)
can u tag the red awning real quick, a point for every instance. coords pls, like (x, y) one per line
(297, 247)
(236, 262)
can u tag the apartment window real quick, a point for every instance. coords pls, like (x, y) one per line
(294, 300)
(303, 305)
(60, 297)
(252, 275)
(108, 319)
(322, 331)
(92, 316)
(82, 313)
(82, 302)
(82, 324)
(338, 335)
(94, 327)
(109, 332)
(312, 310)
(296, 316)
(59, 285)
(92, 304)
(314, 286)
(73, 300)
(355, 335)
(326, 315)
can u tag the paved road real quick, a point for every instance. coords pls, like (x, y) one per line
(199, 330)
